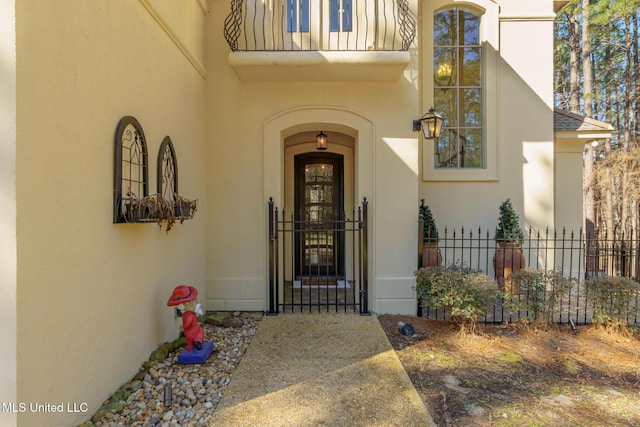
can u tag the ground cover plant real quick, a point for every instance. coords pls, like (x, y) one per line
(521, 374)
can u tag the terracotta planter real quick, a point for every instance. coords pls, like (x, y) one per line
(431, 256)
(507, 259)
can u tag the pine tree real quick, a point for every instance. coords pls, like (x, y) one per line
(429, 229)
(508, 229)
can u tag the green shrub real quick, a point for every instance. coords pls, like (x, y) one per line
(612, 298)
(429, 229)
(466, 293)
(508, 229)
(536, 293)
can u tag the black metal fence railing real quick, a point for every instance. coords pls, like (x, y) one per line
(318, 265)
(314, 25)
(567, 253)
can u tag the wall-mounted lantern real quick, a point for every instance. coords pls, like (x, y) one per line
(430, 123)
(321, 141)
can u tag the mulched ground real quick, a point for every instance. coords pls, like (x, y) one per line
(512, 375)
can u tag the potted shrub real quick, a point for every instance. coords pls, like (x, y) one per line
(431, 255)
(509, 236)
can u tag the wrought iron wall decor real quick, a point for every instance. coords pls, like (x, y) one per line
(130, 169)
(167, 170)
(132, 202)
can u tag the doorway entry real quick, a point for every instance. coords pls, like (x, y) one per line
(319, 209)
(289, 134)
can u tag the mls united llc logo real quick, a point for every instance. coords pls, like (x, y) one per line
(21, 407)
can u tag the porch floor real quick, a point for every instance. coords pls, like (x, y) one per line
(320, 295)
(311, 369)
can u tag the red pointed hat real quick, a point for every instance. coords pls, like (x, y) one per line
(182, 294)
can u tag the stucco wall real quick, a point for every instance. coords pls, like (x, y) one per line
(519, 122)
(8, 247)
(526, 98)
(568, 198)
(239, 116)
(520, 133)
(92, 294)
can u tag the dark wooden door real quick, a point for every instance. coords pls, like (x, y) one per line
(319, 210)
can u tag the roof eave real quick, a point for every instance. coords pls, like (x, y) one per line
(559, 4)
(583, 136)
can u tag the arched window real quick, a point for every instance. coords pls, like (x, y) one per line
(130, 169)
(167, 170)
(458, 88)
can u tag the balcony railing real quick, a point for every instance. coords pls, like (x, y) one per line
(319, 25)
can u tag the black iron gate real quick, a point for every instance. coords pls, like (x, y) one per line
(303, 277)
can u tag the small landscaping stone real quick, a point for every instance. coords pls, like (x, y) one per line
(196, 388)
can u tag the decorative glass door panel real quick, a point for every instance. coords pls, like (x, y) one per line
(350, 24)
(331, 24)
(319, 207)
(300, 24)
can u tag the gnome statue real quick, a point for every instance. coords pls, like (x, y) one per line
(184, 299)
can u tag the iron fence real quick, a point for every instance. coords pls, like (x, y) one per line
(567, 253)
(313, 25)
(318, 265)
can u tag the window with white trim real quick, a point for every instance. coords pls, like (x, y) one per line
(340, 16)
(458, 88)
(298, 16)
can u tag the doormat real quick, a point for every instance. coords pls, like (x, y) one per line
(337, 284)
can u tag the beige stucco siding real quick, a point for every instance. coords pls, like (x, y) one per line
(8, 244)
(92, 294)
(519, 121)
(526, 113)
(84, 300)
(519, 93)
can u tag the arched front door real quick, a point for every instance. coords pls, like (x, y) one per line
(319, 207)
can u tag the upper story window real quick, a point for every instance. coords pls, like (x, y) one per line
(340, 16)
(458, 88)
(298, 16)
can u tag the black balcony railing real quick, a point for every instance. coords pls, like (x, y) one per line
(313, 25)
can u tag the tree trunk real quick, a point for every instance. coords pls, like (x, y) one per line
(574, 77)
(587, 71)
(628, 120)
(587, 174)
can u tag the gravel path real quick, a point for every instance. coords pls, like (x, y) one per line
(196, 389)
(321, 369)
(302, 369)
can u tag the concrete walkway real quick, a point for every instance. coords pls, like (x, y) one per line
(326, 369)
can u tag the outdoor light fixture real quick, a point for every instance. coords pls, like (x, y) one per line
(430, 123)
(443, 74)
(321, 141)
(443, 70)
